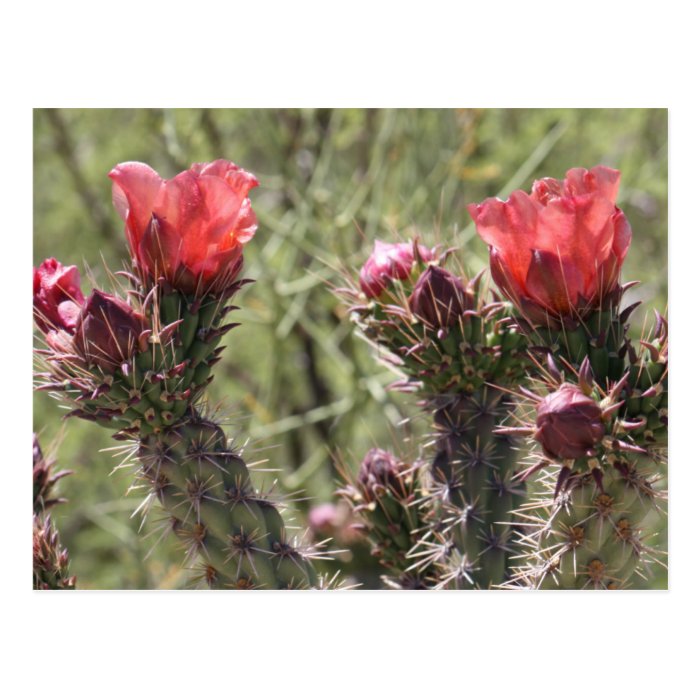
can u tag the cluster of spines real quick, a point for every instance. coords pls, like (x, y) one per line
(233, 535)
(473, 491)
(646, 399)
(50, 558)
(591, 524)
(593, 534)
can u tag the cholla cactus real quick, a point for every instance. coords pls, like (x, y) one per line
(50, 559)
(387, 495)
(557, 254)
(139, 367)
(453, 346)
(553, 365)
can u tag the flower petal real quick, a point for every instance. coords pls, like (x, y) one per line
(554, 282)
(511, 228)
(134, 190)
(623, 235)
(600, 180)
(577, 229)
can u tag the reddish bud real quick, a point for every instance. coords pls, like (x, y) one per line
(191, 229)
(569, 423)
(389, 261)
(57, 296)
(557, 251)
(439, 298)
(381, 469)
(108, 331)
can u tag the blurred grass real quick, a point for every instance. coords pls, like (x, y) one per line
(294, 379)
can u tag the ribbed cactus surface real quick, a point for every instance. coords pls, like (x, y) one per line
(233, 535)
(592, 537)
(474, 471)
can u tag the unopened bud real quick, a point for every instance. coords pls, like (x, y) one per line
(569, 423)
(439, 298)
(108, 331)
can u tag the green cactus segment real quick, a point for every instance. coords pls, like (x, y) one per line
(232, 534)
(455, 370)
(394, 521)
(592, 538)
(601, 338)
(473, 470)
(479, 348)
(646, 398)
(154, 389)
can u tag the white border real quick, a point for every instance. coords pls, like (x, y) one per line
(361, 54)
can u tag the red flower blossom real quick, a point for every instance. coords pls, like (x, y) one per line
(190, 229)
(57, 296)
(108, 331)
(569, 423)
(557, 251)
(389, 261)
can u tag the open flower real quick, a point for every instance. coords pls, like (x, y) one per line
(557, 251)
(57, 296)
(389, 261)
(191, 229)
(108, 331)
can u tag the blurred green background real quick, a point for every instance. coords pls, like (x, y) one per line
(295, 383)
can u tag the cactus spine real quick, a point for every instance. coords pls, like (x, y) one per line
(473, 470)
(233, 532)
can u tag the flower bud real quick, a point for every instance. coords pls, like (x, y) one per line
(381, 469)
(57, 296)
(439, 298)
(389, 261)
(569, 423)
(108, 331)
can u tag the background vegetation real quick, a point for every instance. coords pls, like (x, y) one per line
(295, 382)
